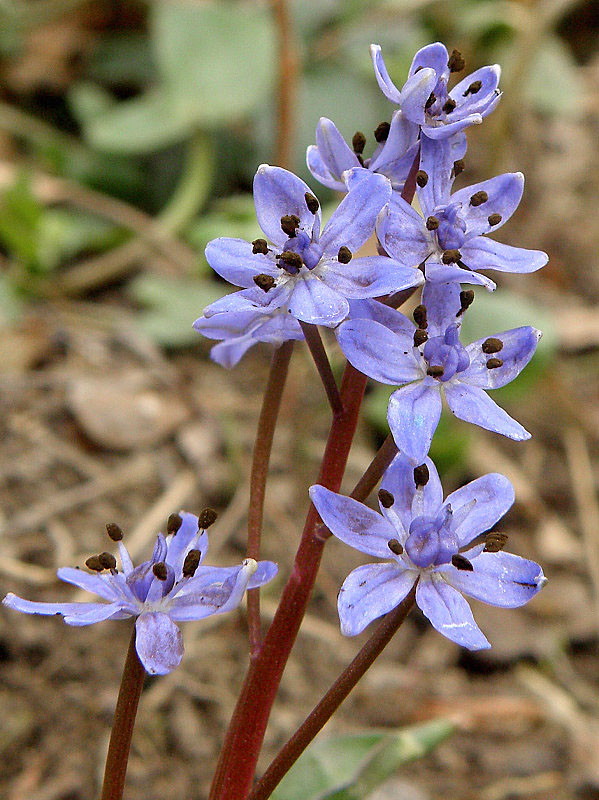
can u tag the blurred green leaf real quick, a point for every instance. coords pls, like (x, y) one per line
(172, 306)
(351, 767)
(552, 84)
(11, 303)
(20, 217)
(64, 234)
(233, 216)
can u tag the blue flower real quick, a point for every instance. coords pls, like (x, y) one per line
(243, 319)
(448, 238)
(427, 359)
(442, 545)
(171, 587)
(425, 98)
(311, 274)
(393, 156)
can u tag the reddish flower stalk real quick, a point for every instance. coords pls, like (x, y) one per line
(262, 449)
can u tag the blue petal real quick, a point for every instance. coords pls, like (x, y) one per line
(500, 579)
(320, 170)
(482, 253)
(334, 151)
(443, 131)
(378, 352)
(448, 612)
(229, 353)
(352, 223)
(97, 584)
(158, 642)
(434, 56)
(493, 495)
(354, 523)
(403, 234)
(74, 613)
(278, 193)
(415, 92)
(519, 345)
(314, 302)
(384, 314)
(442, 303)
(474, 405)
(437, 272)
(227, 324)
(265, 572)
(436, 159)
(395, 157)
(370, 276)
(371, 591)
(504, 192)
(399, 480)
(487, 96)
(413, 416)
(388, 88)
(234, 261)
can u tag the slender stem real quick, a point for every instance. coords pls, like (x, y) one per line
(286, 84)
(331, 701)
(237, 761)
(262, 449)
(319, 354)
(122, 725)
(377, 467)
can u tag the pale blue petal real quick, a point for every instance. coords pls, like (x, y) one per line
(474, 405)
(229, 353)
(519, 345)
(352, 223)
(398, 150)
(378, 352)
(353, 522)
(264, 573)
(450, 273)
(415, 92)
(500, 579)
(444, 130)
(97, 584)
(234, 261)
(487, 96)
(370, 592)
(370, 276)
(320, 170)
(442, 303)
(399, 480)
(227, 324)
(74, 613)
(448, 612)
(493, 495)
(158, 642)
(278, 193)
(403, 234)
(314, 302)
(334, 151)
(413, 416)
(482, 253)
(504, 192)
(384, 314)
(433, 55)
(388, 88)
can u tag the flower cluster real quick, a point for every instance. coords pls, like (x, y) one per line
(299, 275)
(173, 586)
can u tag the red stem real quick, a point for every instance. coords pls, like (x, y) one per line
(321, 360)
(331, 701)
(237, 762)
(122, 726)
(287, 59)
(269, 413)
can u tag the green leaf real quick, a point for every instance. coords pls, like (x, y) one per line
(20, 217)
(553, 84)
(217, 57)
(64, 234)
(11, 302)
(172, 307)
(351, 767)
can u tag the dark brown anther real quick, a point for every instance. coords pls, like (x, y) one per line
(311, 202)
(431, 99)
(260, 246)
(395, 546)
(451, 256)
(494, 363)
(291, 259)
(435, 372)
(419, 314)
(289, 225)
(494, 542)
(461, 562)
(173, 524)
(458, 167)
(381, 133)
(160, 571)
(492, 345)
(466, 300)
(478, 198)
(113, 530)
(386, 499)
(449, 105)
(206, 518)
(107, 560)
(264, 282)
(420, 337)
(358, 142)
(456, 61)
(191, 563)
(474, 88)
(345, 255)
(432, 223)
(93, 563)
(421, 178)
(421, 475)
(494, 219)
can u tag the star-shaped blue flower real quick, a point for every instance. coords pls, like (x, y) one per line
(429, 358)
(171, 587)
(449, 239)
(312, 274)
(393, 156)
(442, 545)
(425, 98)
(243, 319)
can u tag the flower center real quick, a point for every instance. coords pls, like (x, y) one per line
(310, 252)
(451, 232)
(446, 355)
(431, 540)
